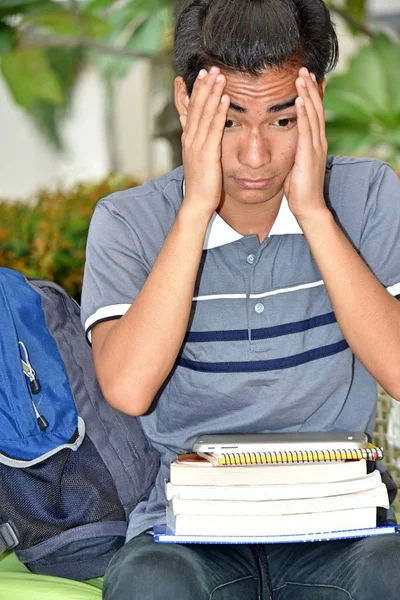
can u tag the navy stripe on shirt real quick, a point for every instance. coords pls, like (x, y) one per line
(236, 335)
(257, 366)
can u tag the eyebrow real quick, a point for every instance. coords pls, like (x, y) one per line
(275, 108)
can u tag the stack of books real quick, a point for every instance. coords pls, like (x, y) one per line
(298, 485)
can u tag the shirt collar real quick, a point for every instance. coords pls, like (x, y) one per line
(219, 232)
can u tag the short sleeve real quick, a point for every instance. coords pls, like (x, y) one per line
(380, 236)
(114, 270)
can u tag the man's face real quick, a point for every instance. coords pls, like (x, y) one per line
(260, 138)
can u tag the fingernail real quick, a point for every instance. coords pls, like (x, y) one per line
(202, 74)
(218, 79)
(213, 69)
(313, 77)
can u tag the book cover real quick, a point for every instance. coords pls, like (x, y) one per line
(192, 469)
(272, 525)
(162, 535)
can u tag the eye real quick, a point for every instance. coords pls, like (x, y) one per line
(229, 124)
(286, 123)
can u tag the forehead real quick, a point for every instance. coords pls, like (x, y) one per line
(270, 88)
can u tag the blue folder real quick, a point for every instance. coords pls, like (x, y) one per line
(162, 535)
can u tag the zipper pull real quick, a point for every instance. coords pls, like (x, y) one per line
(34, 385)
(40, 419)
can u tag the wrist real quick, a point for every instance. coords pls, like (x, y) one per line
(194, 218)
(316, 220)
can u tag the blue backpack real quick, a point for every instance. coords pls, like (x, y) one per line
(71, 467)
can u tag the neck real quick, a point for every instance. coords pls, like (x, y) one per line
(251, 219)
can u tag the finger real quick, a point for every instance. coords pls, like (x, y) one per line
(314, 92)
(319, 106)
(201, 91)
(217, 126)
(313, 120)
(303, 123)
(211, 106)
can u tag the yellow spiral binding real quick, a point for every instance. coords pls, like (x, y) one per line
(370, 452)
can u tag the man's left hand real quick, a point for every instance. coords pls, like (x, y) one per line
(304, 185)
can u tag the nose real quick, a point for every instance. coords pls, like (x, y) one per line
(254, 151)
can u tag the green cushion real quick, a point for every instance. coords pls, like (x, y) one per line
(16, 581)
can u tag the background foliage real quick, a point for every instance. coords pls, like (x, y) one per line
(45, 43)
(363, 105)
(47, 238)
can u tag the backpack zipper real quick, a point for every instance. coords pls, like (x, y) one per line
(34, 385)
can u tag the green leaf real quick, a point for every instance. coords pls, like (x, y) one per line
(7, 37)
(393, 137)
(29, 77)
(15, 3)
(149, 37)
(345, 101)
(389, 52)
(363, 105)
(48, 117)
(357, 9)
(92, 6)
(344, 138)
(65, 23)
(22, 7)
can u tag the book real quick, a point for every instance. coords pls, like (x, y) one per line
(273, 492)
(192, 469)
(368, 498)
(162, 535)
(272, 525)
(278, 448)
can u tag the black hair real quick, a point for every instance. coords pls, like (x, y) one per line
(250, 36)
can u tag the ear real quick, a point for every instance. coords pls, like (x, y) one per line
(322, 88)
(181, 95)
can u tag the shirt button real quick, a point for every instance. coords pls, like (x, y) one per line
(251, 258)
(259, 308)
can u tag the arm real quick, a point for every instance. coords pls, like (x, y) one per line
(134, 355)
(367, 314)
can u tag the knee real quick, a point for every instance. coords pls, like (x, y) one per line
(154, 574)
(378, 572)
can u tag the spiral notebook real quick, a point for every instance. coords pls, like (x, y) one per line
(285, 448)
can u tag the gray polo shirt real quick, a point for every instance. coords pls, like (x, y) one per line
(263, 351)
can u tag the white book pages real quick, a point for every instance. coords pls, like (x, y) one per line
(274, 492)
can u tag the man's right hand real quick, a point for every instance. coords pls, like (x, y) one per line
(203, 128)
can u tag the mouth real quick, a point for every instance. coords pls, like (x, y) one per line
(254, 184)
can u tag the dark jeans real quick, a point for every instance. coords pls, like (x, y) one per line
(363, 569)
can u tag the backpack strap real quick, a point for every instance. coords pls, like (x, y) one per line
(8, 536)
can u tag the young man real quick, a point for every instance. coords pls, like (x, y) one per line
(253, 290)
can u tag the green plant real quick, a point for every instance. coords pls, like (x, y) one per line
(363, 105)
(47, 238)
(45, 43)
